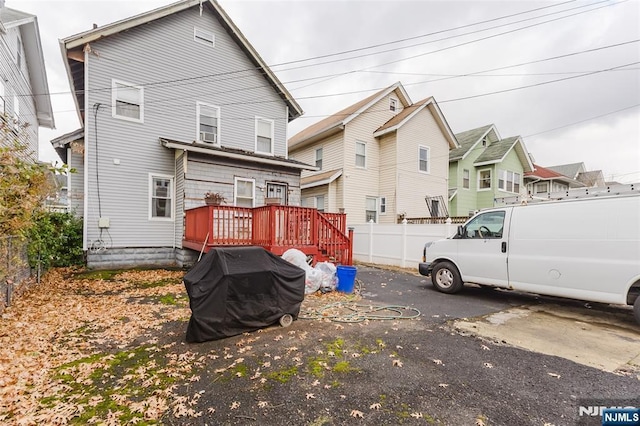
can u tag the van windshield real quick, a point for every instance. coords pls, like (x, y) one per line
(485, 225)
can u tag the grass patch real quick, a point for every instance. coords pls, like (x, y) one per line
(108, 383)
(160, 283)
(283, 376)
(105, 275)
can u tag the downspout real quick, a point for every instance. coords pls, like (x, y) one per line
(69, 154)
(85, 216)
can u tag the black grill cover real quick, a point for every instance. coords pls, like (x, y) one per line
(239, 289)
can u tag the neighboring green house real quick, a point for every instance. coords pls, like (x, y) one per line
(484, 168)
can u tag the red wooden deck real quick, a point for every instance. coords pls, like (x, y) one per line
(276, 228)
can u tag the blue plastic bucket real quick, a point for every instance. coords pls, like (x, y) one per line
(346, 278)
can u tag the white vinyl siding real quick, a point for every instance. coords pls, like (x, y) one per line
(361, 154)
(3, 103)
(16, 109)
(127, 101)
(205, 37)
(244, 192)
(423, 159)
(264, 136)
(484, 179)
(208, 123)
(160, 197)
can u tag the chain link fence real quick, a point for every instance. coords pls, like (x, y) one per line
(14, 268)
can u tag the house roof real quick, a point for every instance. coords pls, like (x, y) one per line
(544, 174)
(497, 151)
(467, 140)
(78, 41)
(67, 138)
(570, 170)
(334, 122)
(320, 179)
(235, 154)
(409, 112)
(30, 34)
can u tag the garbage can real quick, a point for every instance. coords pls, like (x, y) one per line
(346, 278)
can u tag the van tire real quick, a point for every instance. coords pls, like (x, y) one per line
(636, 309)
(446, 278)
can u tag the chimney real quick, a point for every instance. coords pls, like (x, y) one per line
(94, 25)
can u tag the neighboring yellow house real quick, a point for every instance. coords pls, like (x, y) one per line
(378, 159)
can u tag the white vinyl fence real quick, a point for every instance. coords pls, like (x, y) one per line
(397, 244)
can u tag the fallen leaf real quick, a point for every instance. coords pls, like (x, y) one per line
(557, 376)
(397, 363)
(437, 362)
(234, 405)
(310, 396)
(262, 404)
(375, 406)
(356, 413)
(416, 415)
(488, 365)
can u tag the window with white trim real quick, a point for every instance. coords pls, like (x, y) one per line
(383, 205)
(509, 181)
(484, 179)
(361, 154)
(264, 136)
(127, 101)
(319, 200)
(19, 53)
(423, 159)
(541, 188)
(204, 37)
(371, 210)
(465, 178)
(393, 104)
(160, 197)
(208, 123)
(244, 192)
(319, 158)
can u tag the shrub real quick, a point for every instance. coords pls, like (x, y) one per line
(55, 240)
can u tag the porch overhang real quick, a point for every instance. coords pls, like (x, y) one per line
(320, 179)
(236, 154)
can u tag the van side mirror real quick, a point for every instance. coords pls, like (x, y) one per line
(460, 233)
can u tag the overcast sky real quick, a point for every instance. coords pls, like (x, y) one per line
(592, 118)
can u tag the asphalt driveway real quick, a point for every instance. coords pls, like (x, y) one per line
(111, 350)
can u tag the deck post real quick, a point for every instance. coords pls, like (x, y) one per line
(350, 256)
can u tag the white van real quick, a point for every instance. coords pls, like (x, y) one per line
(586, 249)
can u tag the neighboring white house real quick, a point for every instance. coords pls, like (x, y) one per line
(174, 103)
(378, 158)
(24, 91)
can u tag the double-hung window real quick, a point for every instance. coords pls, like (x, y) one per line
(244, 192)
(383, 205)
(160, 197)
(484, 179)
(127, 101)
(361, 154)
(509, 181)
(208, 123)
(264, 136)
(423, 159)
(371, 210)
(465, 178)
(319, 158)
(393, 104)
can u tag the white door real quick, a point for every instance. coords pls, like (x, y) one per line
(482, 250)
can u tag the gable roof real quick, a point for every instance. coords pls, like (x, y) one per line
(409, 112)
(320, 179)
(571, 170)
(497, 152)
(77, 41)
(30, 35)
(468, 139)
(334, 122)
(592, 178)
(544, 173)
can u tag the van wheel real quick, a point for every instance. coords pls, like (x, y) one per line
(636, 309)
(446, 278)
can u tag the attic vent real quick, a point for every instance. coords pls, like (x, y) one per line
(204, 37)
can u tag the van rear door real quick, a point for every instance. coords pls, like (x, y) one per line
(482, 250)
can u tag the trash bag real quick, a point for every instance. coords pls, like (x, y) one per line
(329, 280)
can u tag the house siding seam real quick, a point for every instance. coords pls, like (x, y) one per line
(141, 55)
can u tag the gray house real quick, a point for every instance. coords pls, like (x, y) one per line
(24, 91)
(174, 103)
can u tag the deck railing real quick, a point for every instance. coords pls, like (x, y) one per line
(274, 227)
